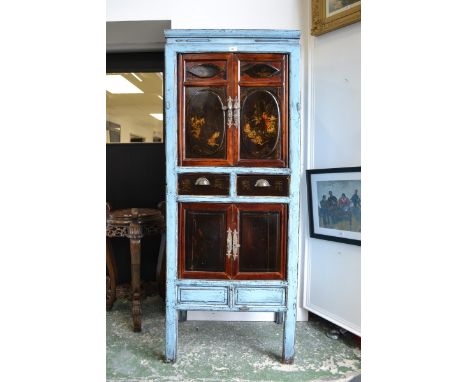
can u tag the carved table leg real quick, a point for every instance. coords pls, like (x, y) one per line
(135, 249)
(112, 281)
(161, 267)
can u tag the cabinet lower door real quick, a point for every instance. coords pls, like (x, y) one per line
(203, 240)
(262, 236)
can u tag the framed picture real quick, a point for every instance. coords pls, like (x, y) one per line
(334, 200)
(328, 15)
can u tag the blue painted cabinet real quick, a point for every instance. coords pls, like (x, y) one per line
(232, 148)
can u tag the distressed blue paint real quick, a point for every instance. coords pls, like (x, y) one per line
(231, 34)
(236, 170)
(251, 295)
(171, 205)
(231, 283)
(289, 331)
(233, 182)
(232, 199)
(208, 295)
(259, 296)
(233, 308)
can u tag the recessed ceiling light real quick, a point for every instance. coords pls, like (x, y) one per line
(160, 96)
(158, 116)
(138, 78)
(116, 84)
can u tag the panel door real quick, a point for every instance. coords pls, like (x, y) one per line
(204, 89)
(262, 138)
(233, 109)
(203, 240)
(262, 233)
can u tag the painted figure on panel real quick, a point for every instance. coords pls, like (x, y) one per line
(343, 213)
(204, 125)
(260, 124)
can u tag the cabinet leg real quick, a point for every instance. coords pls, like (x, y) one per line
(171, 334)
(182, 315)
(279, 317)
(289, 336)
(135, 251)
(112, 278)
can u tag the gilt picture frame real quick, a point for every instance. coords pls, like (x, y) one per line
(334, 202)
(328, 15)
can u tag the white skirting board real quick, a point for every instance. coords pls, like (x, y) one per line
(349, 326)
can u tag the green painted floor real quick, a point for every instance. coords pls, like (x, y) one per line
(223, 351)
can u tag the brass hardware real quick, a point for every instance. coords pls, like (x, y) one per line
(236, 108)
(232, 104)
(229, 243)
(202, 182)
(229, 111)
(262, 183)
(235, 245)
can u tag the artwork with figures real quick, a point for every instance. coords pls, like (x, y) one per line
(334, 200)
(340, 204)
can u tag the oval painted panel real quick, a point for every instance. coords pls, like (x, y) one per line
(260, 126)
(205, 126)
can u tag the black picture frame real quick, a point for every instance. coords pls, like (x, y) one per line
(329, 218)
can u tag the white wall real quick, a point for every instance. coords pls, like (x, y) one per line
(333, 270)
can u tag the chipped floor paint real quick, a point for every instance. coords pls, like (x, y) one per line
(212, 351)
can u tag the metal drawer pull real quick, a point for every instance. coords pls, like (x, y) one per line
(262, 183)
(202, 182)
(229, 243)
(235, 245)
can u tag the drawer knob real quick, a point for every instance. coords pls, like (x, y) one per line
(262, 183)
(202, 182)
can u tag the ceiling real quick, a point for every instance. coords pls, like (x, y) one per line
(132, 111)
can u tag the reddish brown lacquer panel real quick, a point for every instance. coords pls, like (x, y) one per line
(261, 125)
(262, 68)
(263, 116)
(203, 88)
(205, 125)
(262, 236)
(203, 184)
(206, 67)
(203, 240)
(262, 185)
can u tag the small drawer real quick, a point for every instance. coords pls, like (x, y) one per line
(260, 296)
(202, 295)
(262, 185)
(203, 184)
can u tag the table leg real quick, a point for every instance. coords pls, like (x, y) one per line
(112, 269)
(135, 250)
(161, 267)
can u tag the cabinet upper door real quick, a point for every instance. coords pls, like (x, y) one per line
(204, 88)
(263, 121)
(203, 240)
(262, 233)
(233, 109)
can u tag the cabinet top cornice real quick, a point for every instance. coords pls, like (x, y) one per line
(233, 33)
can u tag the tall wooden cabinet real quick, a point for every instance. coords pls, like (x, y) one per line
(232, 148)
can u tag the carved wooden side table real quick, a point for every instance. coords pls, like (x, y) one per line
(134, 224)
